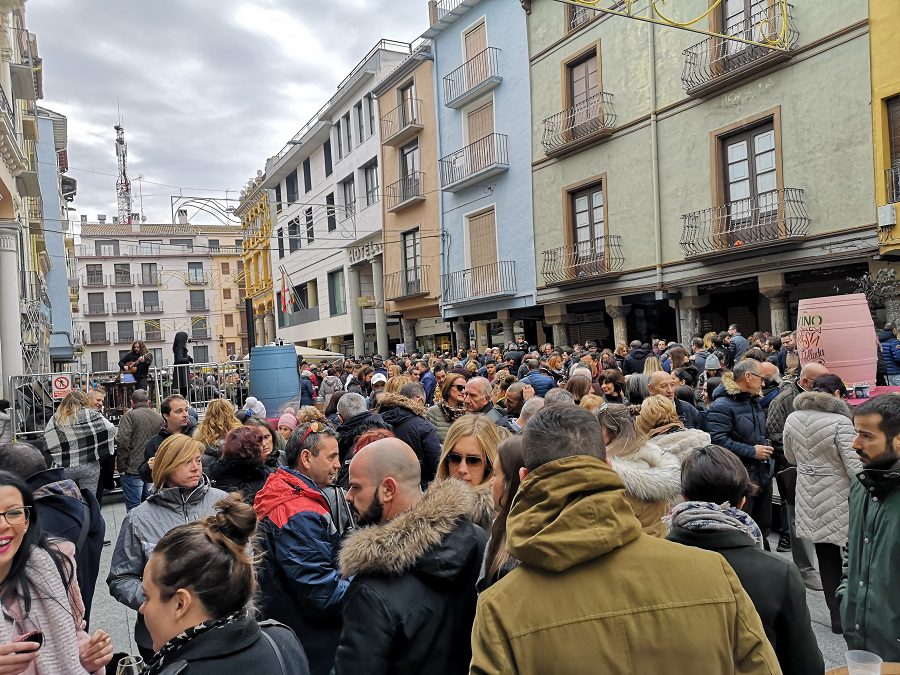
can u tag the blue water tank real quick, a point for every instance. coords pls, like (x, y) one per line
(274, 379)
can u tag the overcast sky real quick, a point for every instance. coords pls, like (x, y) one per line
(208, 89)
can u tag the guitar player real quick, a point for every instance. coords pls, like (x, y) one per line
(136, 364)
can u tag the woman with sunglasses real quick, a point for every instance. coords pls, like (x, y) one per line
(450, 407)
(470, 455)
(42, 625)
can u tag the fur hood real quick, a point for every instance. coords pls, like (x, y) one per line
(680, 443)
(386, 401)
(819, 400)
(650, 474)
(484, 511)
(730, 385)
(397, 546)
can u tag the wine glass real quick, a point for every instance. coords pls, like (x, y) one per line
(130, 665)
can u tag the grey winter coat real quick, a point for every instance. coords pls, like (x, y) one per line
(330, 384)
(141, 529)
(6, 426)
(136, 427)
(817, 438)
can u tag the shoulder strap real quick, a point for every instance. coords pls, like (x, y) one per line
(276, 649)
(85, 527)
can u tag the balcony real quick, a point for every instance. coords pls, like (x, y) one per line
(151, 308)
(123, 338)
(714, 63)
(197, 278)
(231, 251)
(493, 279)
(771, 220)
(405, 192)
(149, 279)
(584, 123)
(472, 164)
(125, 308)
(298, 317)
(198, 306)
(892, 183)
(153, 336)
(402, 123)
(94, 281)
(11, 142)
(475, 77)
(35, 209)
(584, 260)
(97, 339)
(406, 283)
(200, 334)
(95, 309)
(122, 280)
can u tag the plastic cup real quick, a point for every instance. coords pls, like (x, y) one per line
(861, 662)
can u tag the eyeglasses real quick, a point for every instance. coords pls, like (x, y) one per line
(459, 387)
(20, 515)
(759, 376)
(471, 460)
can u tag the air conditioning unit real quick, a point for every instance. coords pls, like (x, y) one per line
(887, 215)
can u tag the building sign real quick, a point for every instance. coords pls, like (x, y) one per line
(364, 252)
(366, 301)
(62, 386)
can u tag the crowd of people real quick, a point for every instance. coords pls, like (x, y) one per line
(552, 509)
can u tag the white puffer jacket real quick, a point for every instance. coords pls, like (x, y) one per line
(680, 443)
(817, 438)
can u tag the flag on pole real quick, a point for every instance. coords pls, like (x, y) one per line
(284, 302)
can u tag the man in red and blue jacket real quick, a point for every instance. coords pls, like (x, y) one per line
(300, 584)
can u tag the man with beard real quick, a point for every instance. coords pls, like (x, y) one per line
(868, 605)
(299, 581)
(411, 603)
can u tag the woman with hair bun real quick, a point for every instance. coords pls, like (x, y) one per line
(197, 587)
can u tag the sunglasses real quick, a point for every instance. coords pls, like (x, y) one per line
(471, 460)
(459, 387)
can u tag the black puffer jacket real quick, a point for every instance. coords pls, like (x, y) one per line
(634, 362)
(411, 604)
(408, 420)
(353, 428)
(232, 475)
(736, 421)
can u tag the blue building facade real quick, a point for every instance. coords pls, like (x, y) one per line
(484, 145)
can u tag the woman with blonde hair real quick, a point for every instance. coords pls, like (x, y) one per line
(470, 455)
(450, 408)
(651, 365)
(394, 370)
(708, 341)
(652, 476)
(77, 438)
(395, 383)
(181, 494)
(591, 402)
(217, 422)
(658, 419)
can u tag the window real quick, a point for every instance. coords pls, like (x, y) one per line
(310, 229)
(407, 106)
(360, 121)
(229, 321)
(578, 15)
(226, 269)
(278, 204)
(742, 18)
(122, 273)
(238, 242)
(280, 242)
(199, 331)
(201, 353)
(151, 301)
(326, 149)
(96, 303)
(94, 275)
(152, 332)
(329, 211)
(307, 175)
(588, 217)
(226, 294)
(412, 262)
(149, 275)
(340, 141)
(99, 361)
(150, 247)
(751, 186)
(294, 234)
(409, 159)
(348, 190)
(123, 301)
(106, 247)
(583, 89)
(291, 185)
(893, 175)
(370, 173)
(157, 355)
(198, 300)
(229, 348)
(97, 331)
(213, 245)
(370, 108)
(195, 273)
(184, 244)
(348, 138)
(337, 303)
(125, 330)
(482, 239)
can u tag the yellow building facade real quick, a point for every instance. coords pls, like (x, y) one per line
(256, 223)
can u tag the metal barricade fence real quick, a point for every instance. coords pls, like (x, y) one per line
(32, 404)
(201, 383)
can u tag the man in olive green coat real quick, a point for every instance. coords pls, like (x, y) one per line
(593, 593)
(869, 592)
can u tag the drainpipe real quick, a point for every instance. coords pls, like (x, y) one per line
(654, 153)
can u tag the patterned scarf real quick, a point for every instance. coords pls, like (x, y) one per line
(170, 651)
(700, 516)
(451, 414)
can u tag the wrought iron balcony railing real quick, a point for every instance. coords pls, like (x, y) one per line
(406, 191)
(479, 282)
(148, 279)
(122, 280)
(97, 339)
(94, 280)
(892, 182)
(153, 336)
(402, 123)
(125, 308)
(151, 308)
(597, 257)
(197, 278)
(124, 338)
(406, 283)
(469, 165)
(196, 306)
(715, 62)
(580, 15)
(770, 219)
(200, 333)
(583, 123)
(444, 7)
(479, 74)
(97, 309)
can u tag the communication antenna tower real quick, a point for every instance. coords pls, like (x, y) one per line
(123, 183)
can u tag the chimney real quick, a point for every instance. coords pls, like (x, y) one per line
(432, 12)
(84, 219)
(182, 217)
(101, 218)
(115, 220)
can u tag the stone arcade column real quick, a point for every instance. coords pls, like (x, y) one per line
(778, 307)
(10, 335)
(619, 314)
(261, 331)
(334, 343)
(356, 313)
(408, 326)
(554, 316)
(461, 328)
(689, 307)
(508, 327)
(381, 329)
(269, 322)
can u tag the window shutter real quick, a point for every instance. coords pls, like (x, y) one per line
(893, 118)
(482, 239)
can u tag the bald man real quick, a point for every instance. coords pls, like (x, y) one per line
(776, 415)
(411, 601)
(663, 384)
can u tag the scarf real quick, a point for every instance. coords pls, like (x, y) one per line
(169, 651)
(55, 609)
(451, 414)
(699, 516)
